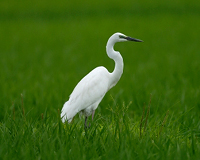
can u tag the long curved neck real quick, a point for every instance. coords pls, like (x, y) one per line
(119, 65)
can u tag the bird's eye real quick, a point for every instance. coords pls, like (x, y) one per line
(120, 36)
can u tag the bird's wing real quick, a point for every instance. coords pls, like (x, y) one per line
(90, 89)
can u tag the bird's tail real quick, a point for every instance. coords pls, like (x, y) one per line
(66, 113)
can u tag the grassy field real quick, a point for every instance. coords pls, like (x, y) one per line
(48, 46)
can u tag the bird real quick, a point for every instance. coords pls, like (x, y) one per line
(89, 92)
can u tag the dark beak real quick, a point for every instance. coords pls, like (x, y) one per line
(133, 39)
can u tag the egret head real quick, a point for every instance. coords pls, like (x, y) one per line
(119, 37)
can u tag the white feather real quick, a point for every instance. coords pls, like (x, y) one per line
(87, 94)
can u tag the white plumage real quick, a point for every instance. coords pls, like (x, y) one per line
(89, 92)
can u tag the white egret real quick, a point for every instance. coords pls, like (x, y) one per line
(89, 92)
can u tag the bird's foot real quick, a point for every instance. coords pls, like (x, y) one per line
(87, 126)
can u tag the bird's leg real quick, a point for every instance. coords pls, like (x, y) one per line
(93, 114)
(86, 122)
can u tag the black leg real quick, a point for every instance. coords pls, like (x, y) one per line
(86, 122)
(93, 114)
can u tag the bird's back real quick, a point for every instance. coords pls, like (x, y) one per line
(90, 90)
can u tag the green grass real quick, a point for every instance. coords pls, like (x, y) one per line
(48, 46)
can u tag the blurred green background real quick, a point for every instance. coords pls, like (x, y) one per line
(48, 46)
